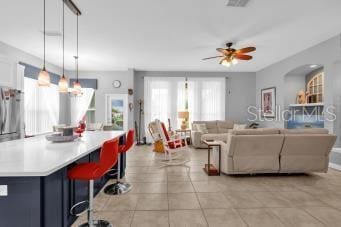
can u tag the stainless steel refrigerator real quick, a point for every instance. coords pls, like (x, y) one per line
(10, 114)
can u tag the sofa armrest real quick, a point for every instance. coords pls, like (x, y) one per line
(196, 138)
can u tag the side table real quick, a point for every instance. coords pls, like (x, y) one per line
(187, 133)
(209, 168)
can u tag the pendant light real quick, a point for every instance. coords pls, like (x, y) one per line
(63, 84)
(77, 88)
(44, 77)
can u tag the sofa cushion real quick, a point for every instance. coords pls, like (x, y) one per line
(305, 131)
(238, 126)
(201, 128)
(212, 126)
(224, 126)
(260, 131)
(215, 136)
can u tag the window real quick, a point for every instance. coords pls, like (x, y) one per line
(165, 96)
(41, 107)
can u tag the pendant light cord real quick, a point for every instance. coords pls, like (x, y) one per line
(44, 34)
(77, 47)
(63, 39)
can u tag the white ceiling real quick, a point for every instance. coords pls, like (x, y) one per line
(170, 34)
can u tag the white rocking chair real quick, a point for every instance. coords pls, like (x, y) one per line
(175, 146)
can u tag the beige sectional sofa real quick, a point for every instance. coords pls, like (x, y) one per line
(275, 151)
(216, 130)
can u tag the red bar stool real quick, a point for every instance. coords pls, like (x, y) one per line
(92, 171)
(120, 187)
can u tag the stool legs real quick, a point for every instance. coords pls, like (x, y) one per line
(91, 222)
(118, 187)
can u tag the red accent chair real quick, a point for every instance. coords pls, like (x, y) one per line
(174, 146)
(119, 187)
(92, 171)
(177, 142)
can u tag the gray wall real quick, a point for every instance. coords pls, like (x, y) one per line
(293, 83)
(325, 54)
(240, 90)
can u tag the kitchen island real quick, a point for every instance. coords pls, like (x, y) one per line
(34, 188)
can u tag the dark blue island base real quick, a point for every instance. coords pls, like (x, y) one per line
(46, 201)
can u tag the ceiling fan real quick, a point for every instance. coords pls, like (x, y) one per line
(230, 56)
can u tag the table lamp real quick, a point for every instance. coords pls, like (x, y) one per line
(183, 115)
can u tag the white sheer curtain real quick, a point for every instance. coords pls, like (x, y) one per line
(206, 99)
(79, 105)
(160, 100)
(41, 107)
(165, 96)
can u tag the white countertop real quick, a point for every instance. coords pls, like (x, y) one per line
(38, 157)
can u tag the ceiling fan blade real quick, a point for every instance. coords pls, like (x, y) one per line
(243, 57)
(246, 50)
(221, 50)
(212, 57)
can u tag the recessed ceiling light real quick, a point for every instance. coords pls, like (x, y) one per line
(313, 66)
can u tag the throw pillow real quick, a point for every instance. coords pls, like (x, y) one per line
(202, 128)
(238, 127)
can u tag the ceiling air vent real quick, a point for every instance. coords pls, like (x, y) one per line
(237, 3)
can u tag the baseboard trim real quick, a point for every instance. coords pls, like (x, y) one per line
(334, 166)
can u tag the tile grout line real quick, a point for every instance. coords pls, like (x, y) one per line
(201, 208)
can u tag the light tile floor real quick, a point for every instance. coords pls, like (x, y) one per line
(180, 196)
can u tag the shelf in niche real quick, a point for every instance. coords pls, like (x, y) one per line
(307, 105)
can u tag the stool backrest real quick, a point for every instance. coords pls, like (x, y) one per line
(109, 154)
(129, 140)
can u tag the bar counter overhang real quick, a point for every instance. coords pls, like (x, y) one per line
(34, 171)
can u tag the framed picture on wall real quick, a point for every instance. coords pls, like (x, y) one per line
(116, 113)
(268, 102)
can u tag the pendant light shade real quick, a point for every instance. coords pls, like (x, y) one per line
(77, 88)
(63, 84)
(44, 77)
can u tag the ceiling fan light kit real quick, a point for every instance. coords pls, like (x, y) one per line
(230, 56)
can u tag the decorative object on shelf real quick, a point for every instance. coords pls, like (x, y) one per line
(44, 77)
(130, 91)
(184, 115)
(116, 83)
(230, 56)
(77, 88)
(315, 91)
(301, 97)
(268, 102)
(63, 84)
